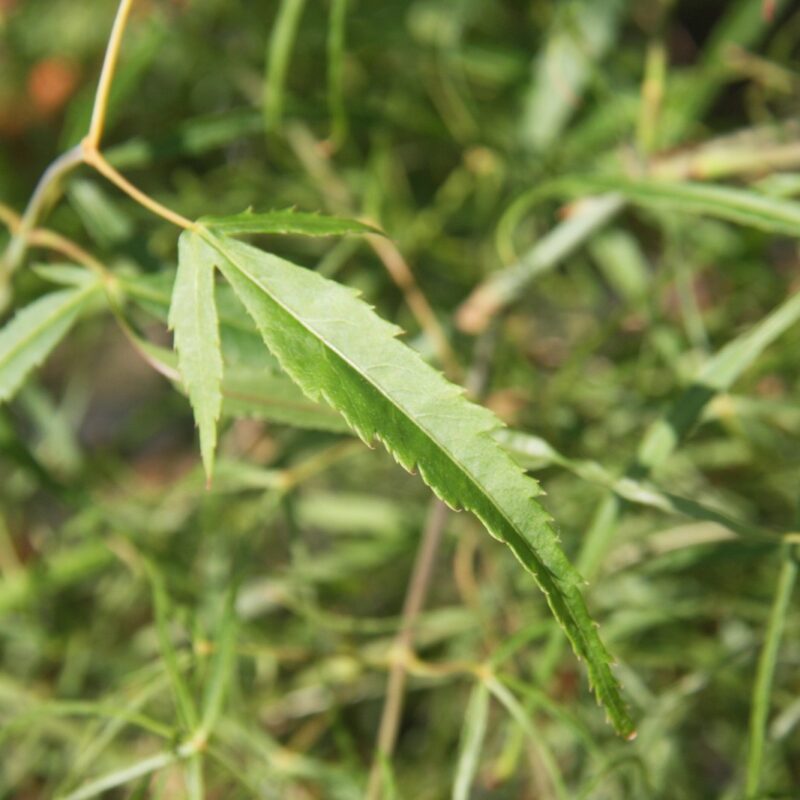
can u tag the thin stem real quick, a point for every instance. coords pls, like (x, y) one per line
(403, 643)
(95, 158)
(319, 462)
(400, 272)
(42, 194)
(107, 75)
(762, 687)
(280, 46)
(9, 218)
(50, 240)
(66, 162)
(336, 45)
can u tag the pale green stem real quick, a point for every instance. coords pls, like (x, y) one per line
(280, 49)
(94, 158)
(336, 44)
(107, 75)
(765, 672)
(42, 194)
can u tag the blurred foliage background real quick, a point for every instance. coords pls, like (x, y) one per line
(589, 322)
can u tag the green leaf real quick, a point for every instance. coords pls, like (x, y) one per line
(100, 215)
(193, 137)
(241, 342)
(337, 349)
(767, 663)
(119, 777)
(193, 318)
(286, 221)
(33, 333)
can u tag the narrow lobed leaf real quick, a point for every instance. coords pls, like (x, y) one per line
(336, 348)
(286, 221)
(34, 332)
(193, 318)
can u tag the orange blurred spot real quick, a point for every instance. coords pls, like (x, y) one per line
(769, 10)
(50, 84)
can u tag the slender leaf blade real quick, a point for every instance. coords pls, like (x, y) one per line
(337, 349)
(741, 206)
(193, 318)
(34, 332)
(286, 221)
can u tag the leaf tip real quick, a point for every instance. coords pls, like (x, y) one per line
(208, 447)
